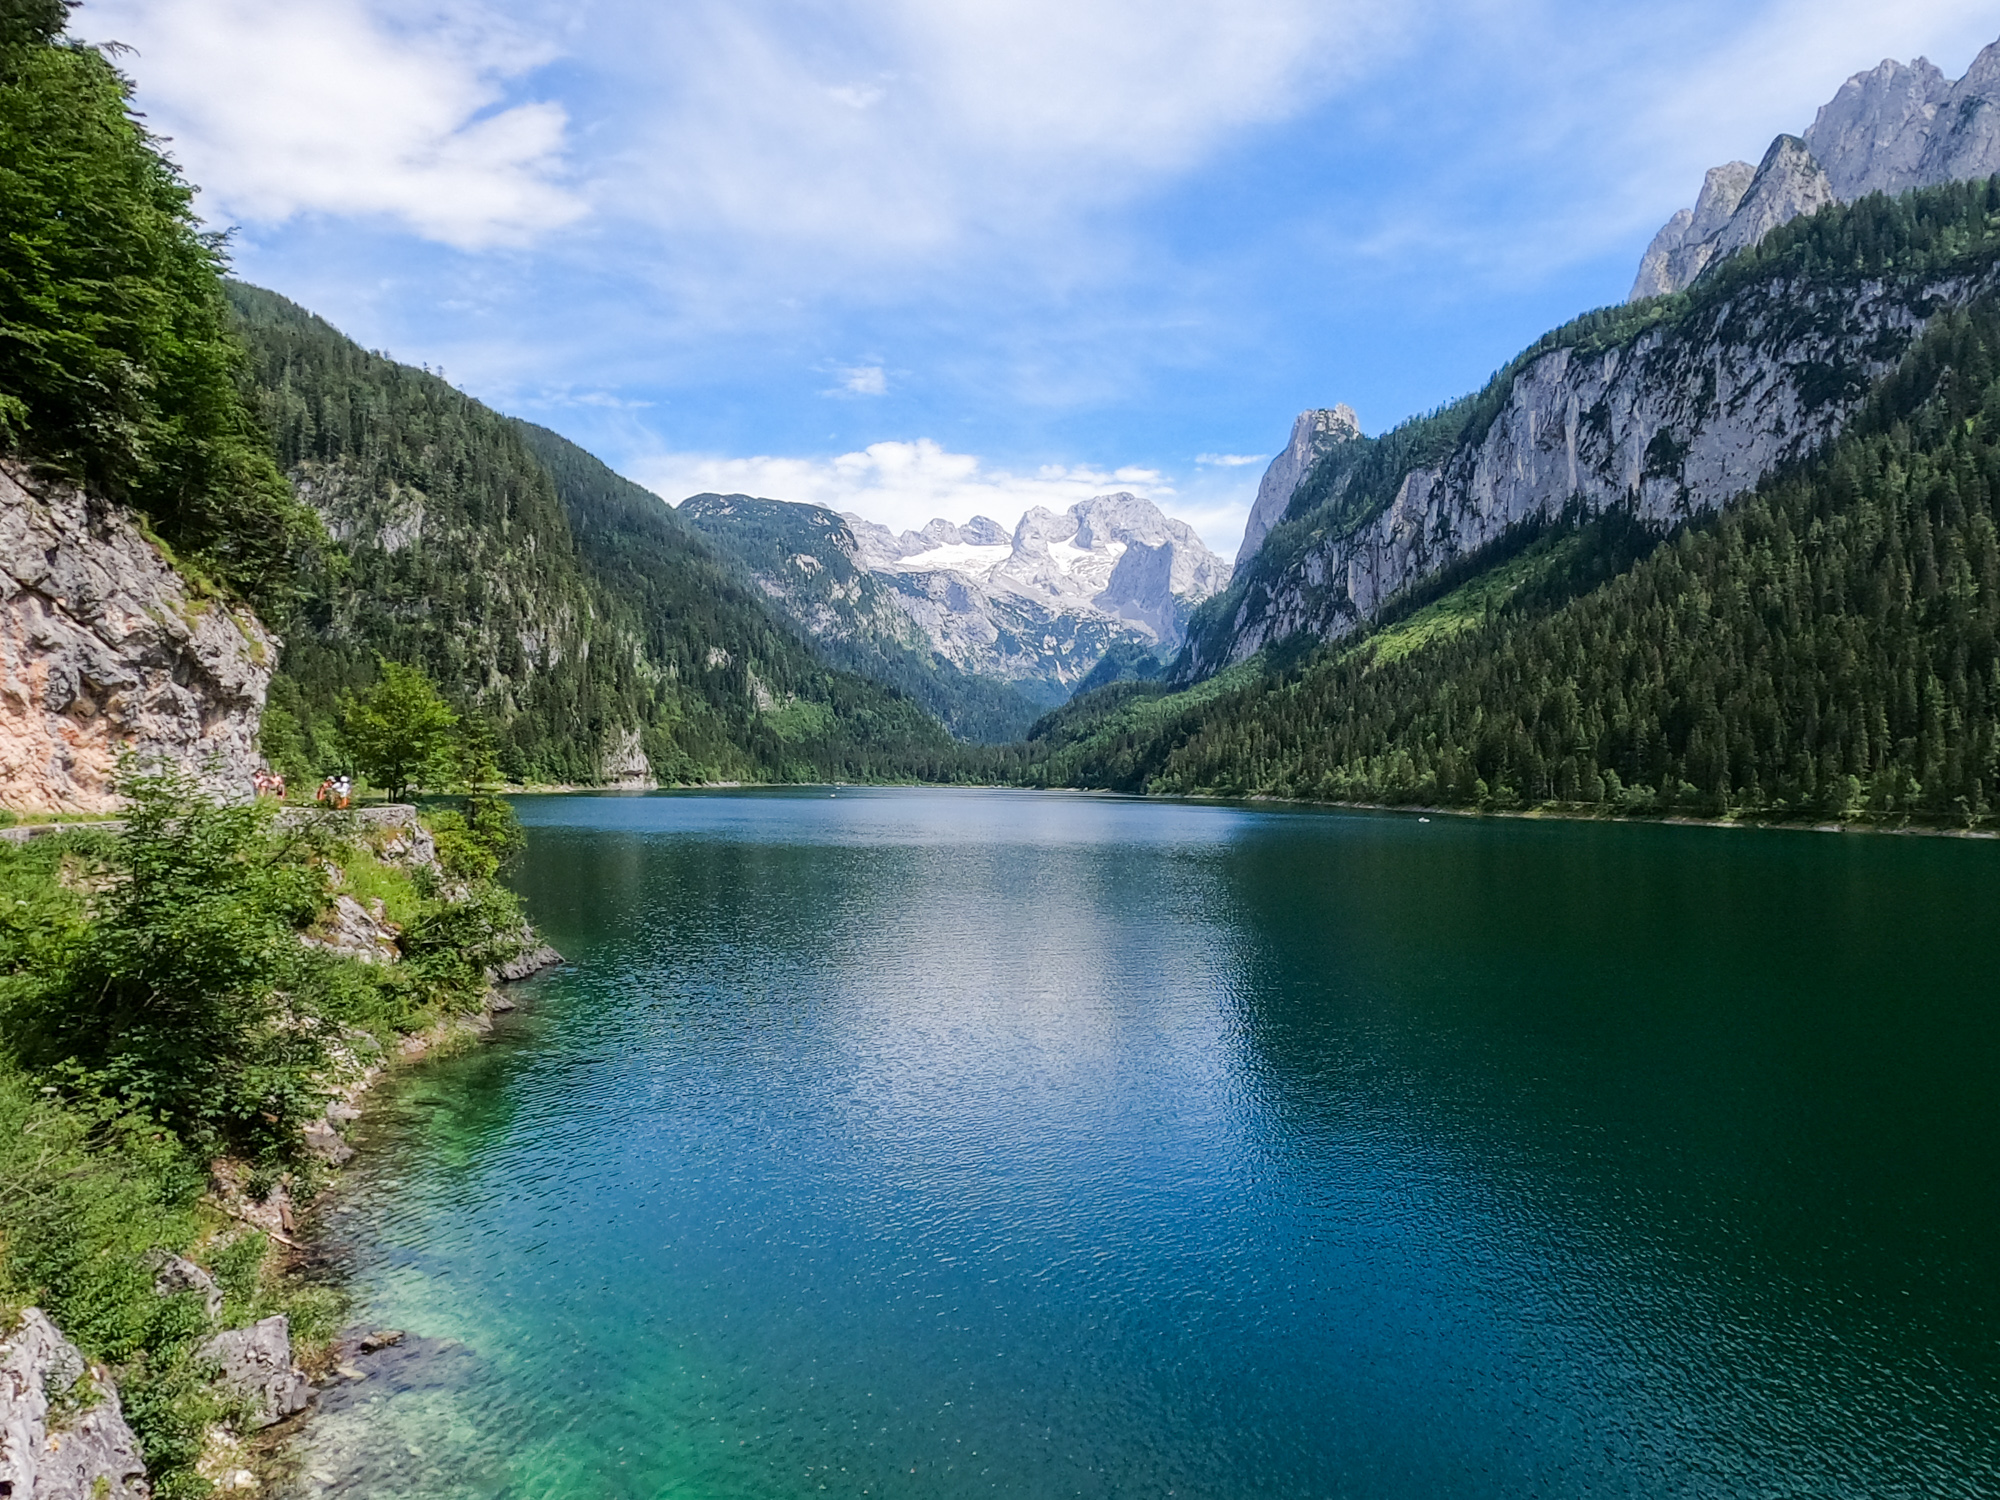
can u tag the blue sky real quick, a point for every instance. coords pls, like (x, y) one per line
(939, 257)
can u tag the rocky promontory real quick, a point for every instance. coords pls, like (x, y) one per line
(106, 648)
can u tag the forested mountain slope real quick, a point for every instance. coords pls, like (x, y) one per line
(601, 652)
(1826, 648)
(717, 636)
(806, 560)
(1665, 409)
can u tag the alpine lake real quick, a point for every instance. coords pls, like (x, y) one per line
(941, 1143)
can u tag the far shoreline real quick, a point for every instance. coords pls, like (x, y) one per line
(1543, 812)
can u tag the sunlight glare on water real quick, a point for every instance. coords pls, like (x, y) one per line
(950, 1143)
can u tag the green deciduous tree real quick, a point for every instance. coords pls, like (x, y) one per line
(188, 996)
(401, 733)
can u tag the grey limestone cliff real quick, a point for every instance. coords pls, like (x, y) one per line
(106, 648)
(1895, 127)
(1313, 434)
(63, 1435)
(1678, 421)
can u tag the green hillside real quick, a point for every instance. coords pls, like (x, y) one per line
(117, 368)
(540, 590)
(1824, 648)
(1914, 243)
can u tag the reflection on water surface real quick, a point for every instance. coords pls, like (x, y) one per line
(939, 1143)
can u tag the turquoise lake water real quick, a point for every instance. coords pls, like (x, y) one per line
(955, 1143)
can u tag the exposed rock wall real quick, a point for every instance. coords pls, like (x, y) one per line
(1896, 127)
(76, 1447)
(105, 648)
(1313, 433)
(1678, 422)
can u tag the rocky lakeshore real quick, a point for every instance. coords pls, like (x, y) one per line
(235, 1286)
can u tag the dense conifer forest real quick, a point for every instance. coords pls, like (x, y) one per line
(1825, 648)
(539, 589)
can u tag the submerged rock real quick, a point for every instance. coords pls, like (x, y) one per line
(63, 1435)
(257, 1365)
(325, 1142)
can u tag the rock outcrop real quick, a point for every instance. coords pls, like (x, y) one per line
(1683, 248)
(1896, 127)
(63, 1435)
(256, 1364)
(535, 957)
(105, 648)
(1314, 433)
(1679, 421)
(350, 929)
(625, 762)
(174, 1274)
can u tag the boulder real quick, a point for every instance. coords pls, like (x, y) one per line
(325, 1142)
(172, 1275)
(257, 1365)
(531, 961)
(63, 1435)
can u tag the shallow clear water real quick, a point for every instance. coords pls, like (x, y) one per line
(951, 1143)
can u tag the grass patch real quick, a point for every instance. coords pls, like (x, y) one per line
(1464, 608)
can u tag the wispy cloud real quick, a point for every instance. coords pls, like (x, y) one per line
(861, 380)
(340, 108)
(1230, 460)
(978, 119)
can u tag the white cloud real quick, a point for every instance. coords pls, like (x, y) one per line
(1230, 460)
(279, 109)
(906, 484)
(990, 116)
(861, 380)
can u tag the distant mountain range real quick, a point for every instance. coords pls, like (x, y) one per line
(935, 611)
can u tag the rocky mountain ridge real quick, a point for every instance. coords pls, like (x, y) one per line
(1314, 434)
(1675, 421)
(1035, 608)
(1895, 127)
(1116, 555)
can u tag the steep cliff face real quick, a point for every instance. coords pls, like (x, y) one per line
(1896, 127)
(1314, 433)
(104, 649)
(1672, 423)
